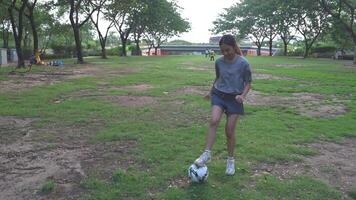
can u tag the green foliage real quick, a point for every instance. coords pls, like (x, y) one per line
(62, 51)
(295, 51)
(323, 49)
(114, 51)
(352, 194)
(48, 187)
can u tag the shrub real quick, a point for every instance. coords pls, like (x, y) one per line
(324, 49)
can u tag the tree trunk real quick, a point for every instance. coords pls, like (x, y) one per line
(21, 60)
(78, 44)
(258, 50)
(138, 50)
(306, 52)
(149, 51)
(34, 34)
(285, 49)
(26, 40)
(103, 50)
(30, 8)
(17, 32)
(76, 30)
(270, 47)
(123, 43)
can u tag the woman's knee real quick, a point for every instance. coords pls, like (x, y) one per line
(214, 122)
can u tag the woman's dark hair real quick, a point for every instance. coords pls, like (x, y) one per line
(230, 40)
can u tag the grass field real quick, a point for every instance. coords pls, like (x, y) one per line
(128, 128)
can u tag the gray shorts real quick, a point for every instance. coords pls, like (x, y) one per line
(226, 102)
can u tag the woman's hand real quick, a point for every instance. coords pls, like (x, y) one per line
(240, 98)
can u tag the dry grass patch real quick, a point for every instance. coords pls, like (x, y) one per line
(53, 75)
(197, 90)
(308, 104)
(131, 101)
(334, 164)
(138, 87)
(269, 77)
(63, 155)
(288, 65)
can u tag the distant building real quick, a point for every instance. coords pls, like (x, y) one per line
(200, 50)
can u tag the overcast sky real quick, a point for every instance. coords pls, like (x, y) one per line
(201, 14)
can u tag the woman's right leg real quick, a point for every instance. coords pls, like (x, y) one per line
(216, 113)
(205, 157)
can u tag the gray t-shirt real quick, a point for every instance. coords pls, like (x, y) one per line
(232, 77)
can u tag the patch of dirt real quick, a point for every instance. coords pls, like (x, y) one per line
(334, 164)
(54, 75)
(288, 65)
(202, 68)
(269, 77)
(195, 66)
(131, 101)
(197, 90)
(61, 154)
(179, 182)
(308, 104)
(138, 87)
(12, 128)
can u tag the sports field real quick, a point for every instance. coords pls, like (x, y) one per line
(128, 128)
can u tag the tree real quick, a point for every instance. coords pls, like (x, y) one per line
(285, 21)
(29, 13)
(141, 19)
(343, 13)
(165, 22)
(100, 5)
(77, 9)
(310, 23)
(268, 10)
(46, 25)
(244, 19)
(5, 26)
(16, 10)
(120, 12)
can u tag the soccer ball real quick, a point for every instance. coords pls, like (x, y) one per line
(198, 174)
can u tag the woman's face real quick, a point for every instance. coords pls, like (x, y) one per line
(228, 51)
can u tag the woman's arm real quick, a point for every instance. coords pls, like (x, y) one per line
(241, 98)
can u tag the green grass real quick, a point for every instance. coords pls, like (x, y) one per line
(170, 136)
(48, 187)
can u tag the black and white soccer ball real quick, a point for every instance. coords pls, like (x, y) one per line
(198, 174)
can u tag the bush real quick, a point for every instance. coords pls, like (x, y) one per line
(91, 52)
(323, 49)
(323, 55)
(296, 51)
(62, 51)
(27, 53)
(113, 51)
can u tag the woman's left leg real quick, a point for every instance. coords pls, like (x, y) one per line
(231, 141)
(230, 133)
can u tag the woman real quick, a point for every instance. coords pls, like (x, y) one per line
(231, 85)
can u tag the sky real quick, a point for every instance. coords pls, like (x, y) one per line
(201, 14)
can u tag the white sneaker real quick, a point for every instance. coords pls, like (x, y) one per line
(203, 158)
(230, 167)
